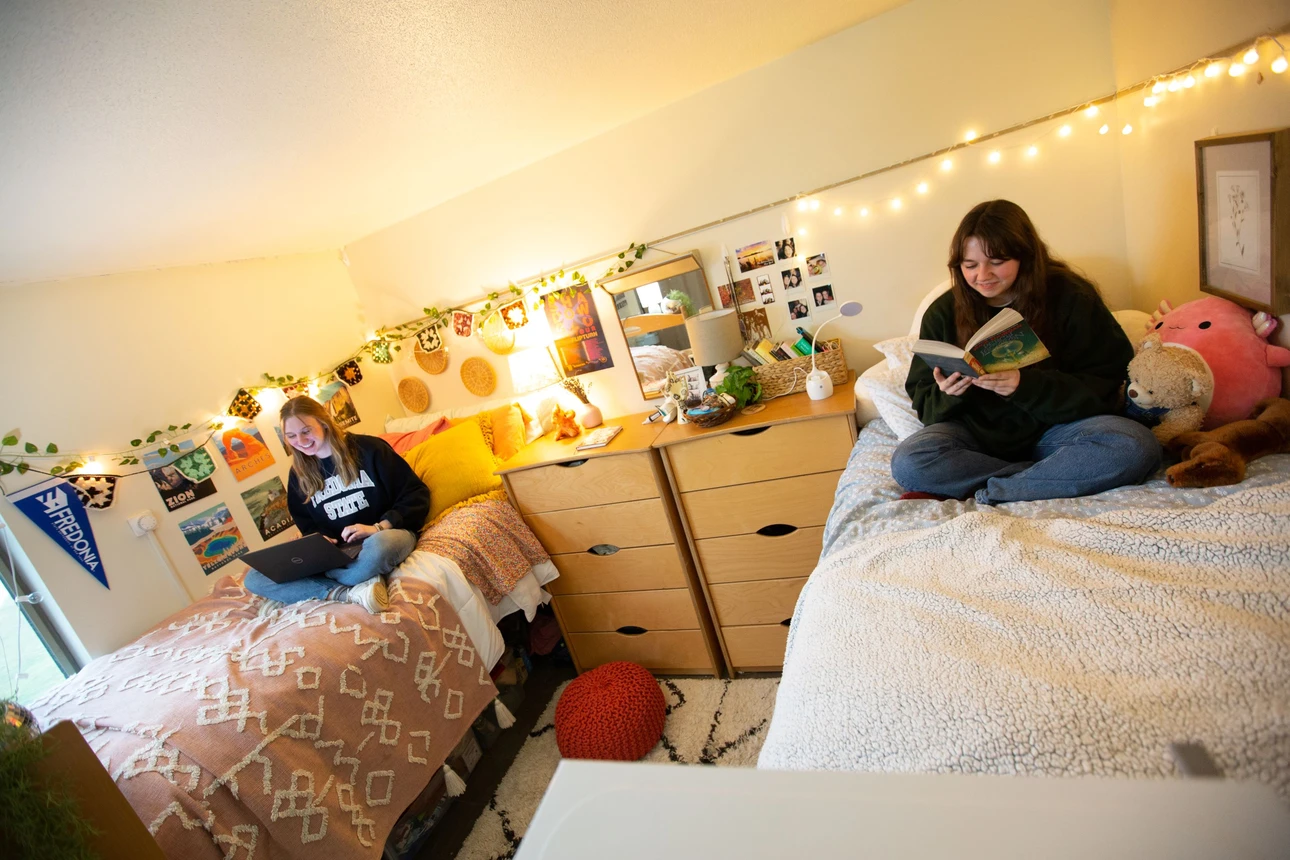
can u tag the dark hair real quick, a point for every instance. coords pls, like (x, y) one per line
(1005, 232)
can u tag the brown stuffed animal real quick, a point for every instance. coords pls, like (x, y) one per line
(1217, 457)
(566, 424)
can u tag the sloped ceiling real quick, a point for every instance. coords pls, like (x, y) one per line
(151, 134)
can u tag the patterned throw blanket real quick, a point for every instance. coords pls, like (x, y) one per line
(245, 729)
(491, 544)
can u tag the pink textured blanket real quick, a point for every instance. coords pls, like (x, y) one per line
(491, 544)
(243, 728)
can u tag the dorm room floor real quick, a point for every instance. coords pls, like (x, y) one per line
(446, 839)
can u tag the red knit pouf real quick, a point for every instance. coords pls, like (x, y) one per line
(614, 712)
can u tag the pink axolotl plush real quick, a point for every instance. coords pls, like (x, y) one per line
(1235, 345)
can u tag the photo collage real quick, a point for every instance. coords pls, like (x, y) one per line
(774, 271)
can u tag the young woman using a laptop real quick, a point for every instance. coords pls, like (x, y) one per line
(350, 488)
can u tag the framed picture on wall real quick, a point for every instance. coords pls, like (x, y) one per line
(1243, 204)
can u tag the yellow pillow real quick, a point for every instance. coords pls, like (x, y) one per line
(483, 419)
(456, 465)
(508, 430)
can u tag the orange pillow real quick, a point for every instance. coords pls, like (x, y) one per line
(508, 430)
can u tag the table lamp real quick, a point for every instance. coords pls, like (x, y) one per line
(715, 340)
(818, 384)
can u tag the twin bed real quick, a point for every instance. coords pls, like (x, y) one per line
(1063, 637)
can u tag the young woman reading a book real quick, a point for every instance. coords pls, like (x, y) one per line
(351, 488)
(1044, 431)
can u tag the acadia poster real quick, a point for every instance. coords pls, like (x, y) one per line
(267, 504)
(575, 325)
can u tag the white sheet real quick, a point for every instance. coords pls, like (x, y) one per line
(477, 615)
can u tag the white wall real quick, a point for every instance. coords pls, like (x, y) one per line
(93, 363)
(909, 81)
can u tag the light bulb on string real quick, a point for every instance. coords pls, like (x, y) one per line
(1090, 111)
(970, 136)
(1213, 70)
(1236, 70)
(1251, 56)
(895, 203)
(995, 157)
(803, 205)
(801, 231)
(1032, 151)
(1158, 88)
(91, 467)
(815, 204)
(1104, 129)
(1064, 131)
(1189, 82)
(1128, 129)
(864, 212)
(922, 188)
(837, 211)
(1279, 64)
(947, 164)
(1174, 86)
(1150, 101)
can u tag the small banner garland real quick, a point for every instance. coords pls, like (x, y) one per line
(95, 491)
(350, 373)
(197, 465)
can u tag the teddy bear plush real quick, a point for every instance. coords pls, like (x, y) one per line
(1215, 458)
(1169, 388)
(566, 424)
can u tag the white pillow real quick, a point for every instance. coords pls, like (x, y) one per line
(410, 424)
(899, 351)
(886, 387)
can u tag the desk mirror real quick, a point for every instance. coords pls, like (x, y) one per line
(653, 304)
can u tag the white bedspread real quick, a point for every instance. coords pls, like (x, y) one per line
(993, 643)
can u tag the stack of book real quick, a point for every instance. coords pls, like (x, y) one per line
(770, 353)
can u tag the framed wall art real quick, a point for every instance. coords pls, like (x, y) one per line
(1243, 204)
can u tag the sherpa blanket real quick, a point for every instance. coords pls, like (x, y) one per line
(246, 729)
(993, 643)
(491, 544)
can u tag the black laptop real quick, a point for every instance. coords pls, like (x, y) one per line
(307, 556)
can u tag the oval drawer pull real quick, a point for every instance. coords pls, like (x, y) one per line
(776, 530)
(753, 432)
(603, 549)
(786, 622)
(632, 630)
(572, 464)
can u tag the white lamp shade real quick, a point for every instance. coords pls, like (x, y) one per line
(532, 369)
(714, 337)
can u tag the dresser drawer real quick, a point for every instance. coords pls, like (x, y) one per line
(643, 568)
(768, 601)
(755, 556)
(759, 646)
(584, 483)
(670, 609)
(660, 651)
(627, 524)
(802, 502)
(779, 451)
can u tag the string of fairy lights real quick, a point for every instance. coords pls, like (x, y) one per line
(380, 345)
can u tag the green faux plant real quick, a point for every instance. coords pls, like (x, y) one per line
(687, 305)
(741, 384)
(36, 820)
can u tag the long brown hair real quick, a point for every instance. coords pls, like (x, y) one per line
(1005, 232)
(305, 466)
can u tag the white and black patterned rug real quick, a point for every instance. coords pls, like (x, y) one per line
(708, 722)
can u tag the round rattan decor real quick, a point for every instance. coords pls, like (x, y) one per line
(414, 395)
(495, 335)
(478, 376)
(432, 363)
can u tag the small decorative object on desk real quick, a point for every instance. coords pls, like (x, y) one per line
(566, 426)
(588, 413)
(677, 388)
(715, 409)
(600, 437)
(789, 377)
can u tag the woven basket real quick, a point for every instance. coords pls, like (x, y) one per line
(789, 377)
(414, 395)
(724, 412)
(478, 376)
(431, 362)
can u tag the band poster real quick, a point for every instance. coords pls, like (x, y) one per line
(575, 325)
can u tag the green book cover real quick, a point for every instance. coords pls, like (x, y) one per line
(1014, 347)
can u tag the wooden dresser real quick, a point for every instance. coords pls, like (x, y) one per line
(628, 589)
(754, 493)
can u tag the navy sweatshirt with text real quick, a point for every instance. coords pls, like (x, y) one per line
(386, 489)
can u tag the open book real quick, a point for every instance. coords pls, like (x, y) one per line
(600, 437)
(1006, 342)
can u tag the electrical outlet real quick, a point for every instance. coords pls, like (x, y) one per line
(142, 523)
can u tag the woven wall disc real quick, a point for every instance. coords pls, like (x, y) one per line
(432, 363)
(414, 395)
(495, 335)
(478, 376)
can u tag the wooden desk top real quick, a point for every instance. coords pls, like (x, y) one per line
(634, 437)
(781, 410)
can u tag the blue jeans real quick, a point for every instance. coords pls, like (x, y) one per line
(1076, 459)
(377, 556)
